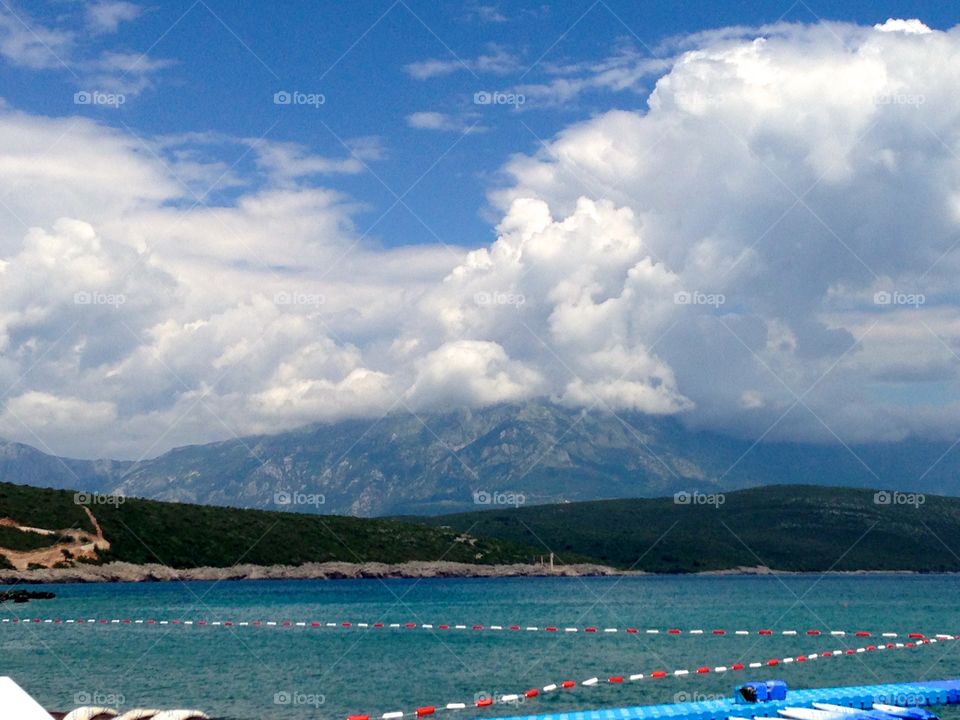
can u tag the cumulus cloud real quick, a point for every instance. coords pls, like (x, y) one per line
(771, 245)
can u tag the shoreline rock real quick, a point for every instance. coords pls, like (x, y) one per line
(121, 572)
(128, 572)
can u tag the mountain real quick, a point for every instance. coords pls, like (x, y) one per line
(534, 453)
(786, 527)
(26, 465)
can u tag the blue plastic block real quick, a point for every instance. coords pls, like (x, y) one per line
(776, 690)
(751, 692)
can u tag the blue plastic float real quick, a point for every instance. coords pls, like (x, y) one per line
(862, 697)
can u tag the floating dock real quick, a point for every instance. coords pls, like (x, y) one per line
(933, 692)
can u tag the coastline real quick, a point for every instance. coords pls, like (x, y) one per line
(116, 572)
(121, 572)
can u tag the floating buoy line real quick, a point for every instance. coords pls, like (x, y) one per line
(474, 627)
(621, 679)
(889, 641)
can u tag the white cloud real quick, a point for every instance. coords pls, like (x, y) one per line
(625, 71)
(907, 26)
(428, 120)
(486, 13)
(45, 418)
(773, 168)
(431, 121)
(30, 44)
(496, 61)
(699, 257)
(105, 16)
(287, 162)
(25, 43)
(472, 372)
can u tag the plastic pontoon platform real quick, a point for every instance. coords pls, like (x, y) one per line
(932, 692)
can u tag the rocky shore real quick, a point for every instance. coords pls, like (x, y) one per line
(127, 572)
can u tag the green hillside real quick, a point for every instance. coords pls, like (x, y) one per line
(795, 527)
(787, 527)
(184, 536)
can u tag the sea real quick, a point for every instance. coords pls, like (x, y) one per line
(286, 671)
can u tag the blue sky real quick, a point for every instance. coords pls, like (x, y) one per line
(228, 58)
(746, 215)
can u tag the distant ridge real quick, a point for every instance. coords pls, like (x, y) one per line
(434, 463)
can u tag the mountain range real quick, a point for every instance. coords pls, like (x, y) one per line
(440, 462)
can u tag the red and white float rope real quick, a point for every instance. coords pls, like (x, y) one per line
(617, 680)
(475, 627)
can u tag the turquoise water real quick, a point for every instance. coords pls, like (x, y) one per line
(248, 673)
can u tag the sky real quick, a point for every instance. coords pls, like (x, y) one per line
(222, 218)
